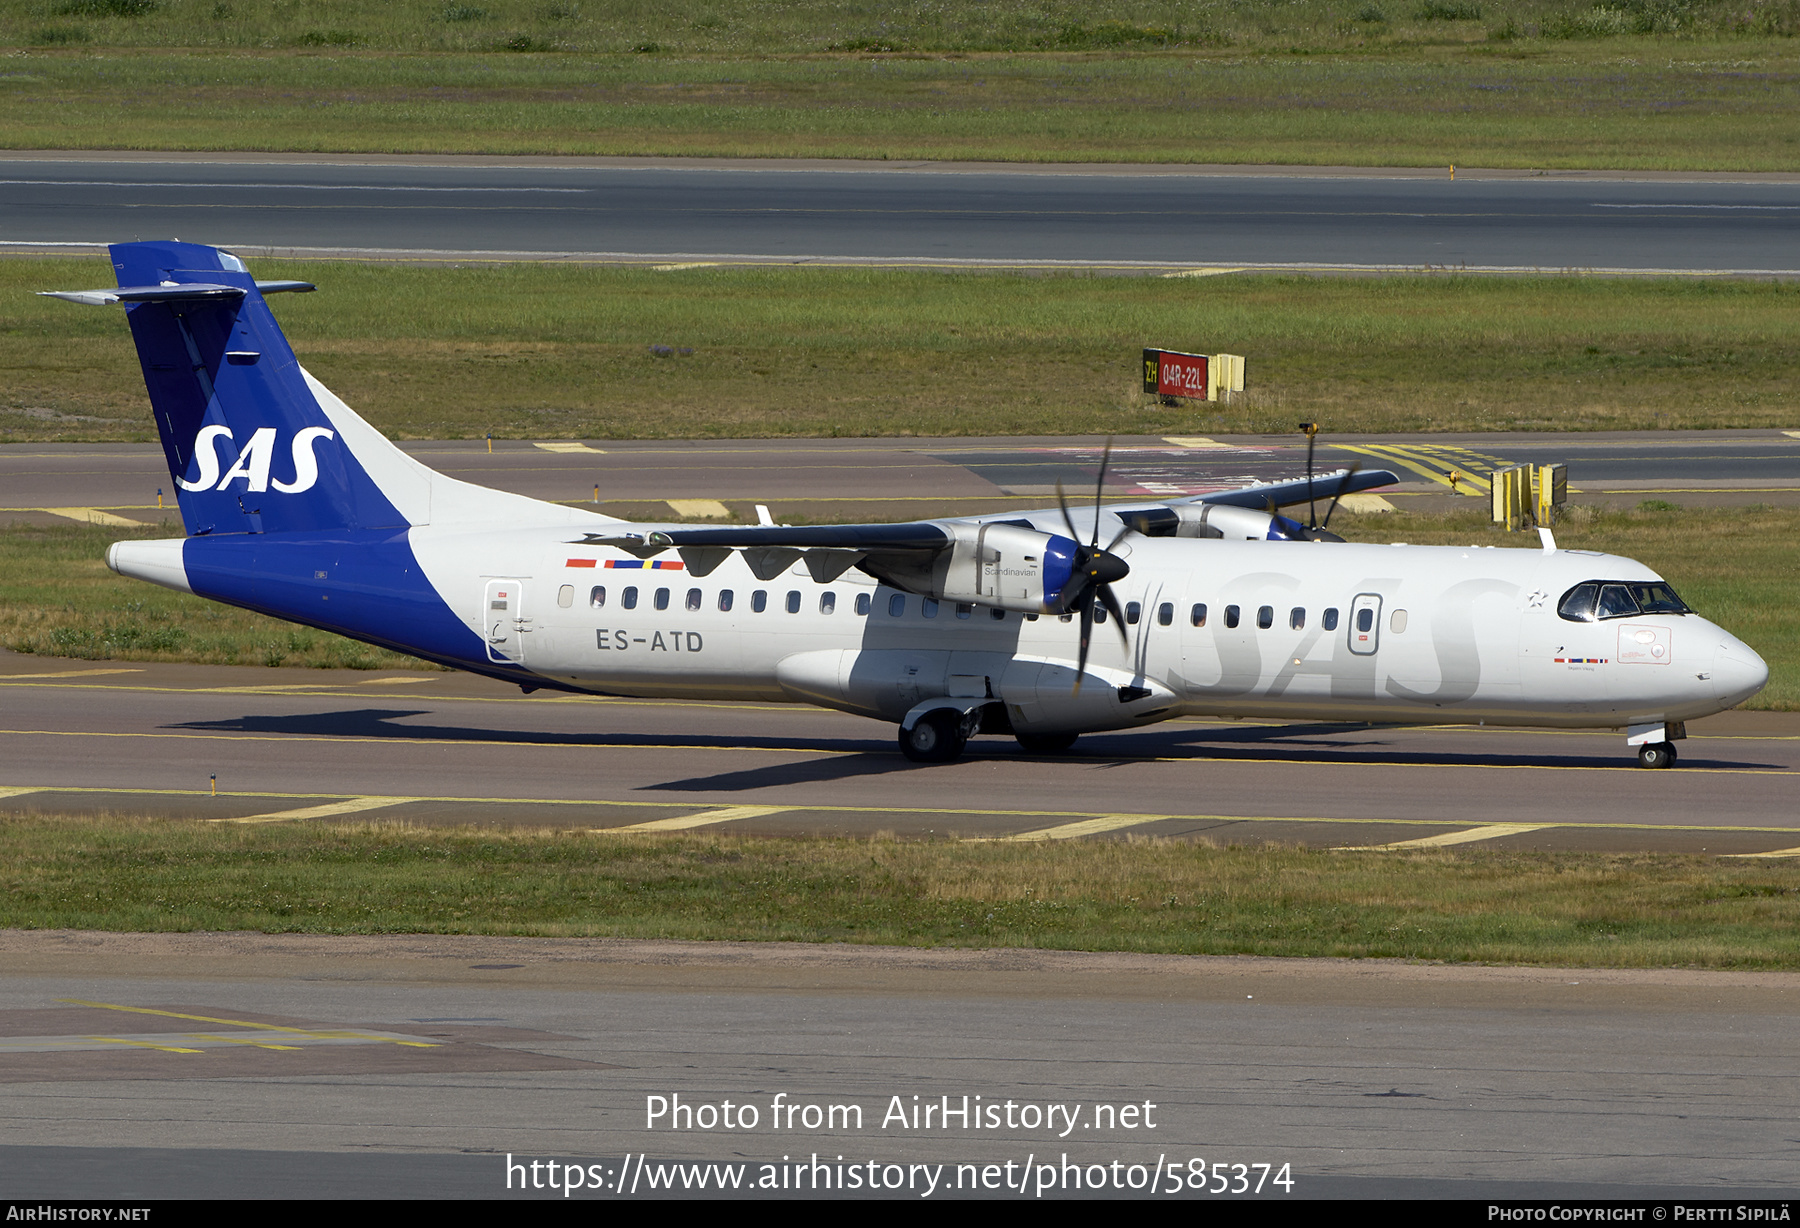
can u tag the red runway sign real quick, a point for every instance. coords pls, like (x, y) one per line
(1172, 374)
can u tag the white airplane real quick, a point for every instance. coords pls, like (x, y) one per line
(297, 508)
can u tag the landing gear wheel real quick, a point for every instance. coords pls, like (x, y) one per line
(1045, 743)
(1656, 755)
(937, 737)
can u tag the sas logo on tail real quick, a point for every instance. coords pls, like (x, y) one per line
(253, 462)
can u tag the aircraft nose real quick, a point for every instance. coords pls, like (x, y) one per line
(1738, 673)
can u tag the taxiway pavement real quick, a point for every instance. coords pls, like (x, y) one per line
(895, 479)
(430, 747)
(248, 1065)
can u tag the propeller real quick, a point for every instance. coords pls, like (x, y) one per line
(1342, 482)
(1094, 573)
(1314, 530)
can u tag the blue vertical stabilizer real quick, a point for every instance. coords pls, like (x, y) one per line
(248, 445)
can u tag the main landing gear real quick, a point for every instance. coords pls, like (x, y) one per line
(936, 737)
(940, 736)
(1656, 755)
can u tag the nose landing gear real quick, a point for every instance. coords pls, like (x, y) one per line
(1656, 755)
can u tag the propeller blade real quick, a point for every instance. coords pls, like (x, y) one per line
(1312, 503)
(1087, 631)
(1100, 491)
(1342, 482)
(1068, 520)
(1118, 616)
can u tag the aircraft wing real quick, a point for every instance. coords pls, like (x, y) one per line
(1323, 487)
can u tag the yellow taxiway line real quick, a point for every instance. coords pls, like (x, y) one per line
(1089, 827)
(705, 818)
(1099, 821)
(1492, 831)
(354, 805)
(315, 1033)
(733, 747)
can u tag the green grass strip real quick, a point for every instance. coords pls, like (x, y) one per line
(123, 873)
(546, 352)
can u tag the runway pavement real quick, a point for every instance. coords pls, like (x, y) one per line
(896, 479)
(1124, 219)
(293, 745)
(144, 1066)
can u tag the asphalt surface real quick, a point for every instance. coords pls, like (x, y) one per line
(1125, 218)
(428, 747)
(227, 1065)
(893, 479)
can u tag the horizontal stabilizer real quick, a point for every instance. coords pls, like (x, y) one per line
(172, 292)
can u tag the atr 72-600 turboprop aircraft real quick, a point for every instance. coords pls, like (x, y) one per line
(297, 508)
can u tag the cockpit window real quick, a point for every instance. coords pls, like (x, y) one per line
(1597, 599)
(1615, 602)
(1658, 599)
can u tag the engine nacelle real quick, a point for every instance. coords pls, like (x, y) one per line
(1237, 523)
(1001, 565)
(1005, 565)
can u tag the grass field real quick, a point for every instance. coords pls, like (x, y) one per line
(1738, 567)
(546, 352)
(121, 873)
(1672, 84)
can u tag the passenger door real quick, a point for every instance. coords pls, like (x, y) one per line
(1365, 624)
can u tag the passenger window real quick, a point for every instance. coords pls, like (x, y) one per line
(1365, 619)
(828, 603)
(565, 596)
(928, 607)
(1031, 618)
(628, 598)
(1265, 617)
(693, 599)
(1133, 611)
(1197, 615)
(759, 601)
(1165, 613)
(1231, 616)
(896, 605)
(1296, 619)
(862, 604)
(724, 599)
(997, 614)
(597, 598)
(964, 609)
(662, 598)
(793, 601)
(1397, 621)
(1329, 622)
(1099, 613)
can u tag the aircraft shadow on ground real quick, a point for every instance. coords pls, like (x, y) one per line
(1325, 742)
(385, 723)
(1319, 742)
